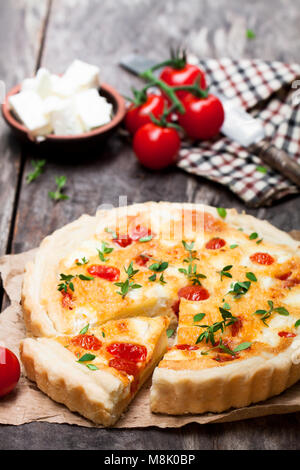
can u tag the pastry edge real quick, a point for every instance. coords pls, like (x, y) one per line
(223, 387)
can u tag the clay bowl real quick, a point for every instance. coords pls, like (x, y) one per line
(70, 143)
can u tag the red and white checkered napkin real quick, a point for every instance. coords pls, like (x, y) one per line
(264, 88)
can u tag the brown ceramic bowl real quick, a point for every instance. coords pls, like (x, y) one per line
(70, 143)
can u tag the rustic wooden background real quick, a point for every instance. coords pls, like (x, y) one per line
(52, 33)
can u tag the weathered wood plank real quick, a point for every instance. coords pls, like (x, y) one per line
(21, 24)
(102, 32)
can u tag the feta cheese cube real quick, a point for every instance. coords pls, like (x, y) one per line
(28, 107)
(40, 84)
(79, 76)
(65, 121)
(92, 109)
(52, 103)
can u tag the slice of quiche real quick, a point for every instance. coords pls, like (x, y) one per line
(98, 371)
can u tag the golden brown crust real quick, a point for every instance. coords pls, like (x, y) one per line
(218, 389)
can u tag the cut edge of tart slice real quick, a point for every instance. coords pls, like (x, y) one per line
(86, 377)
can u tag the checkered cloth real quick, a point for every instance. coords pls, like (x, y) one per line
(265, 89)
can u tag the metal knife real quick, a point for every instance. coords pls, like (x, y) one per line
(238, 125)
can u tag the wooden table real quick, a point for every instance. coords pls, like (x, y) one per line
(52, 33)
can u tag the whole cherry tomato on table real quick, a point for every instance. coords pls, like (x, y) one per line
(187, 75)
(203, 117)
(155, 146)
(9, 371)
(138, 115)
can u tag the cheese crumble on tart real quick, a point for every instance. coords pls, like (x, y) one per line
(230, 281)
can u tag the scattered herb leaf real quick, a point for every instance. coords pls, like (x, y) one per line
(87, 357)
(104, 250)
(170, 332)
(58, 195)
(38, 168)
(84, 330)
(222, 212)
(251, 277)
(225, 272)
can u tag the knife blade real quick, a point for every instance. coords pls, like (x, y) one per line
(238, 125)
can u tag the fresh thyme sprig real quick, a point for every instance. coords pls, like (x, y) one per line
(82, 262)
(38, 168)
(60, 183)
(67, 281)
(209, 333)
(129, 284)
(226, 350)
(158, 267)
(104, 250)
(191, 271)
(225, 272)
(265, 314)
(238, 289)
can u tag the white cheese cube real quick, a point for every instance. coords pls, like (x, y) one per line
(28, 107)
(40, 84)
(79, 76)
(92, 109)
(52, 103)
(82, 75)
(65, 121)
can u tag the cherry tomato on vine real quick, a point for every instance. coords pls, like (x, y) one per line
(9, 371)
(186, 75)
(155, 146)
(203, 117)
(137, 116)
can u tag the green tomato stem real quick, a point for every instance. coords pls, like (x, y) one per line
(148, 75)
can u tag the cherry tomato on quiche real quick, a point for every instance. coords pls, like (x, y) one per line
(9, 371)
(137, 116)
(203, 117)
(156, 147)
(186, 75)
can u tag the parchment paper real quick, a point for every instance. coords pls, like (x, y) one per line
(27, 403)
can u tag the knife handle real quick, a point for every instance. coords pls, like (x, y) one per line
(277, 159)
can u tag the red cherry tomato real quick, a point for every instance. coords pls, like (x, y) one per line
(215, 244)
(286, 334)
(89, 342)
(184, 76)
(142, 260)
(262, 258)
(137, 116)
(129, 352)
(223, 358)
(139, 232)
(236, 326)
(110, 273)
(186, 347)
(291, 283)
(66, 300)
(9, 371)
(203, 117)
(123, 241)
(156, 147)
(195, 293)
(284, 276)
(129, 368)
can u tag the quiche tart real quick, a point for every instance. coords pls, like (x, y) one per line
(230, 282)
